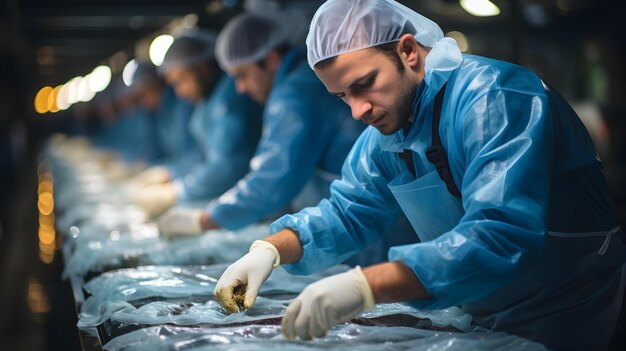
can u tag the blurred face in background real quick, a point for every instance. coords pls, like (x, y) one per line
(256, 79)
(149, 95)
(189, 83)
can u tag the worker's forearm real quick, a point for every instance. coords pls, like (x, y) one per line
(287, 242)
(393, 282)
(207, 223)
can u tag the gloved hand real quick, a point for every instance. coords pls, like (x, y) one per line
(152, 176)
(180, 222)
(250, 271)
(327, 302)
(155, 199)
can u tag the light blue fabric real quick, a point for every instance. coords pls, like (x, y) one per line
(523, 173)
(306, 136)
(178, 150)
(227, 127)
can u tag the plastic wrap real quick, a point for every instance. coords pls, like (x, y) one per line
(343, 337)
(112, 291)
(217, 246)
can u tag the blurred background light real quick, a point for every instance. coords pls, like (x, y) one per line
(72, 89)
(480, 8)
(52, 100)
(62, 98)
(41, 99)
(85, 93)
(159, 47)
(460, 39)
(100, 78)
(128, 72)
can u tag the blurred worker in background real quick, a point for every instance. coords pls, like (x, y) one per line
(126, 127)
(225, 125)
(306, 134)
(495, 171)
(178, 152)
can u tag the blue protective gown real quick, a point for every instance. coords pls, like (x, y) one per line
(227, 127)
(133, 135)
(306, 136)
(178, 150)
(532, 251)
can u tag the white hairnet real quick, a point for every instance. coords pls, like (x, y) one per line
(144, 72)
(188, 49)
(248, 38)
(342, 26)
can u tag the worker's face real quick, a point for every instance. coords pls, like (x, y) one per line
(256, 79)
(371, 83)
(149, 95)
(187, 83)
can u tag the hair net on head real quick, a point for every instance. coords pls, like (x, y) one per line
(248, 38)
(188, 49)
(342, 26)
(144, 73)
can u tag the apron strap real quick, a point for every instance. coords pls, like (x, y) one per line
(436, 153)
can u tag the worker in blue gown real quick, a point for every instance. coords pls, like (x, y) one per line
(306, 133)
(225, 125)
(127, 128)
(176, 149)
(501, 184)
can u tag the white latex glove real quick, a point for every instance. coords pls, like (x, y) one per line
(155, 199)
(250, 271)
(152, 176)
(327, 302)
(180, 223)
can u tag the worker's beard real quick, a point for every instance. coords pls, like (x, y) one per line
(398, 117)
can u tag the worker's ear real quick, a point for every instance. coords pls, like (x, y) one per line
(409, 50)
(273, 60)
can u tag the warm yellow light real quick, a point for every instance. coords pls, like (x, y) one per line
(52, 99)
(45, 186)
(480, 8)
(159, 47)
(45, 203)
(47, 249)
(47, 221)
(41, 100)
(36, 297)
(46, 236)
(46, 258)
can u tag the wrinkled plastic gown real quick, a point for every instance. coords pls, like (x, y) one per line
(345, 336)
(145, 247)
(113, 293)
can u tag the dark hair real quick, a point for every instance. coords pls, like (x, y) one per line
(280, 49)
(389, 49)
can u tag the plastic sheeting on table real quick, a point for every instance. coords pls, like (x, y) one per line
(216, 246)
(112, 291)
(345, 336)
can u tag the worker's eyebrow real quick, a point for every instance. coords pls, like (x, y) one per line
(356, 82)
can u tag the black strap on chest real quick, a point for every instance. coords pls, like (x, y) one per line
(435, 153)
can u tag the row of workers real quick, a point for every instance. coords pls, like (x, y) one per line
(493, 169)
(253, 144)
